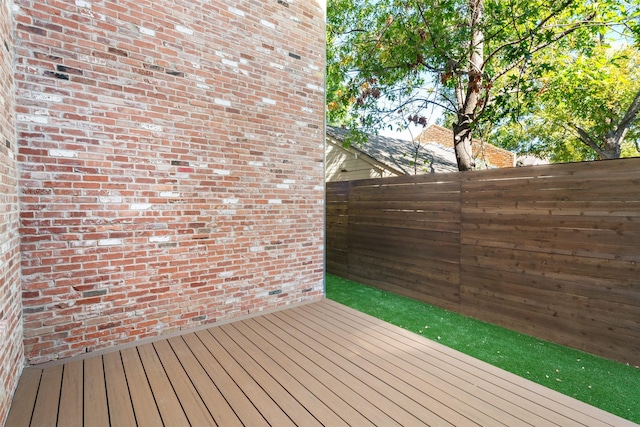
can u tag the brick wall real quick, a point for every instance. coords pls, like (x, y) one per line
(171, 165)
(11, 352)
(486, 152)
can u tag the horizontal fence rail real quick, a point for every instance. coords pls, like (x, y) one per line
(552, 251)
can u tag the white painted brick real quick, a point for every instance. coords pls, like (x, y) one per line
(152, 127)
(226, 274)
(203, 86)
(268, 24)
(47, 97)
(307, 110)
(169, 194)
(289, 181)
(31, 118)
(83, 3)
(256, 164)
(269, 101)
(147, 31)
(92, 59)
(222, 172)
(313, 87)
(230, 63)
(222, 102)
(184, 30)
(159, 239)
(109, 242)
(83, 244)
(230, 201)
(63, 153)
(256, 248)
(283, 186)
(110, 199)
(236, 11)
(276, 66)
(275, 201)
(140, 206)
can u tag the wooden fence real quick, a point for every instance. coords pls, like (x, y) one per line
(551, 251)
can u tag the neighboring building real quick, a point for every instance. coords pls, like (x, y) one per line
(160, 169)
(527, 160)
(381, 157)
(486, 155)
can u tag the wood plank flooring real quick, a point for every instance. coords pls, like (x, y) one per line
(316, 364)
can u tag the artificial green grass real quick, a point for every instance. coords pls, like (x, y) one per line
(611, 386)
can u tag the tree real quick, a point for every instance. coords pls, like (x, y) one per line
(587, 108)
(390, 59)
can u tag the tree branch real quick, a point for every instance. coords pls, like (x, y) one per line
(586, 139)
(531, 32)
(535, 50)
(628, 118)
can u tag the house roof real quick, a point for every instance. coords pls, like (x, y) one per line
(487, 155)
(399, 154)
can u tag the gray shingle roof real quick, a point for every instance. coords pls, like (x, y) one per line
(400, 154)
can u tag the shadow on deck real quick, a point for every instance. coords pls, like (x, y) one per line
(316, 364)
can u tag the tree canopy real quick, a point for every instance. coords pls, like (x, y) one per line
(481, 61)
(586, 108)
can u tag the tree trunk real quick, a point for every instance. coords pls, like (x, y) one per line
(612, 147)
(468, 105)
(462, 138)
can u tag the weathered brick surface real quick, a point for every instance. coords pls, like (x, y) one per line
(171, 165)
(483, 151)
(11, 353)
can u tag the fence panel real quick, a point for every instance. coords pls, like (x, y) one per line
(552, 251)
(404, 236)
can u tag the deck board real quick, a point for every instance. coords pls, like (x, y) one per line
(259, 348)
(249, 386)
(142, 398)
(240, 403)
(190, 400)
(349, 388)
(315, 364)
(215, 402)
(544, 402)
(45, 410)
(390, 392)
(27, 391)
(433, 390)
(315, 380)
(120, 407)
(168, 404)
(450, 385)
(70, 413)
(96, 410)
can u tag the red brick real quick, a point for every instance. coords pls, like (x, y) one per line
(486, 152)
(154, 187)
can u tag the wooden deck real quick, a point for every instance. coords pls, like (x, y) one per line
(316, 364)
